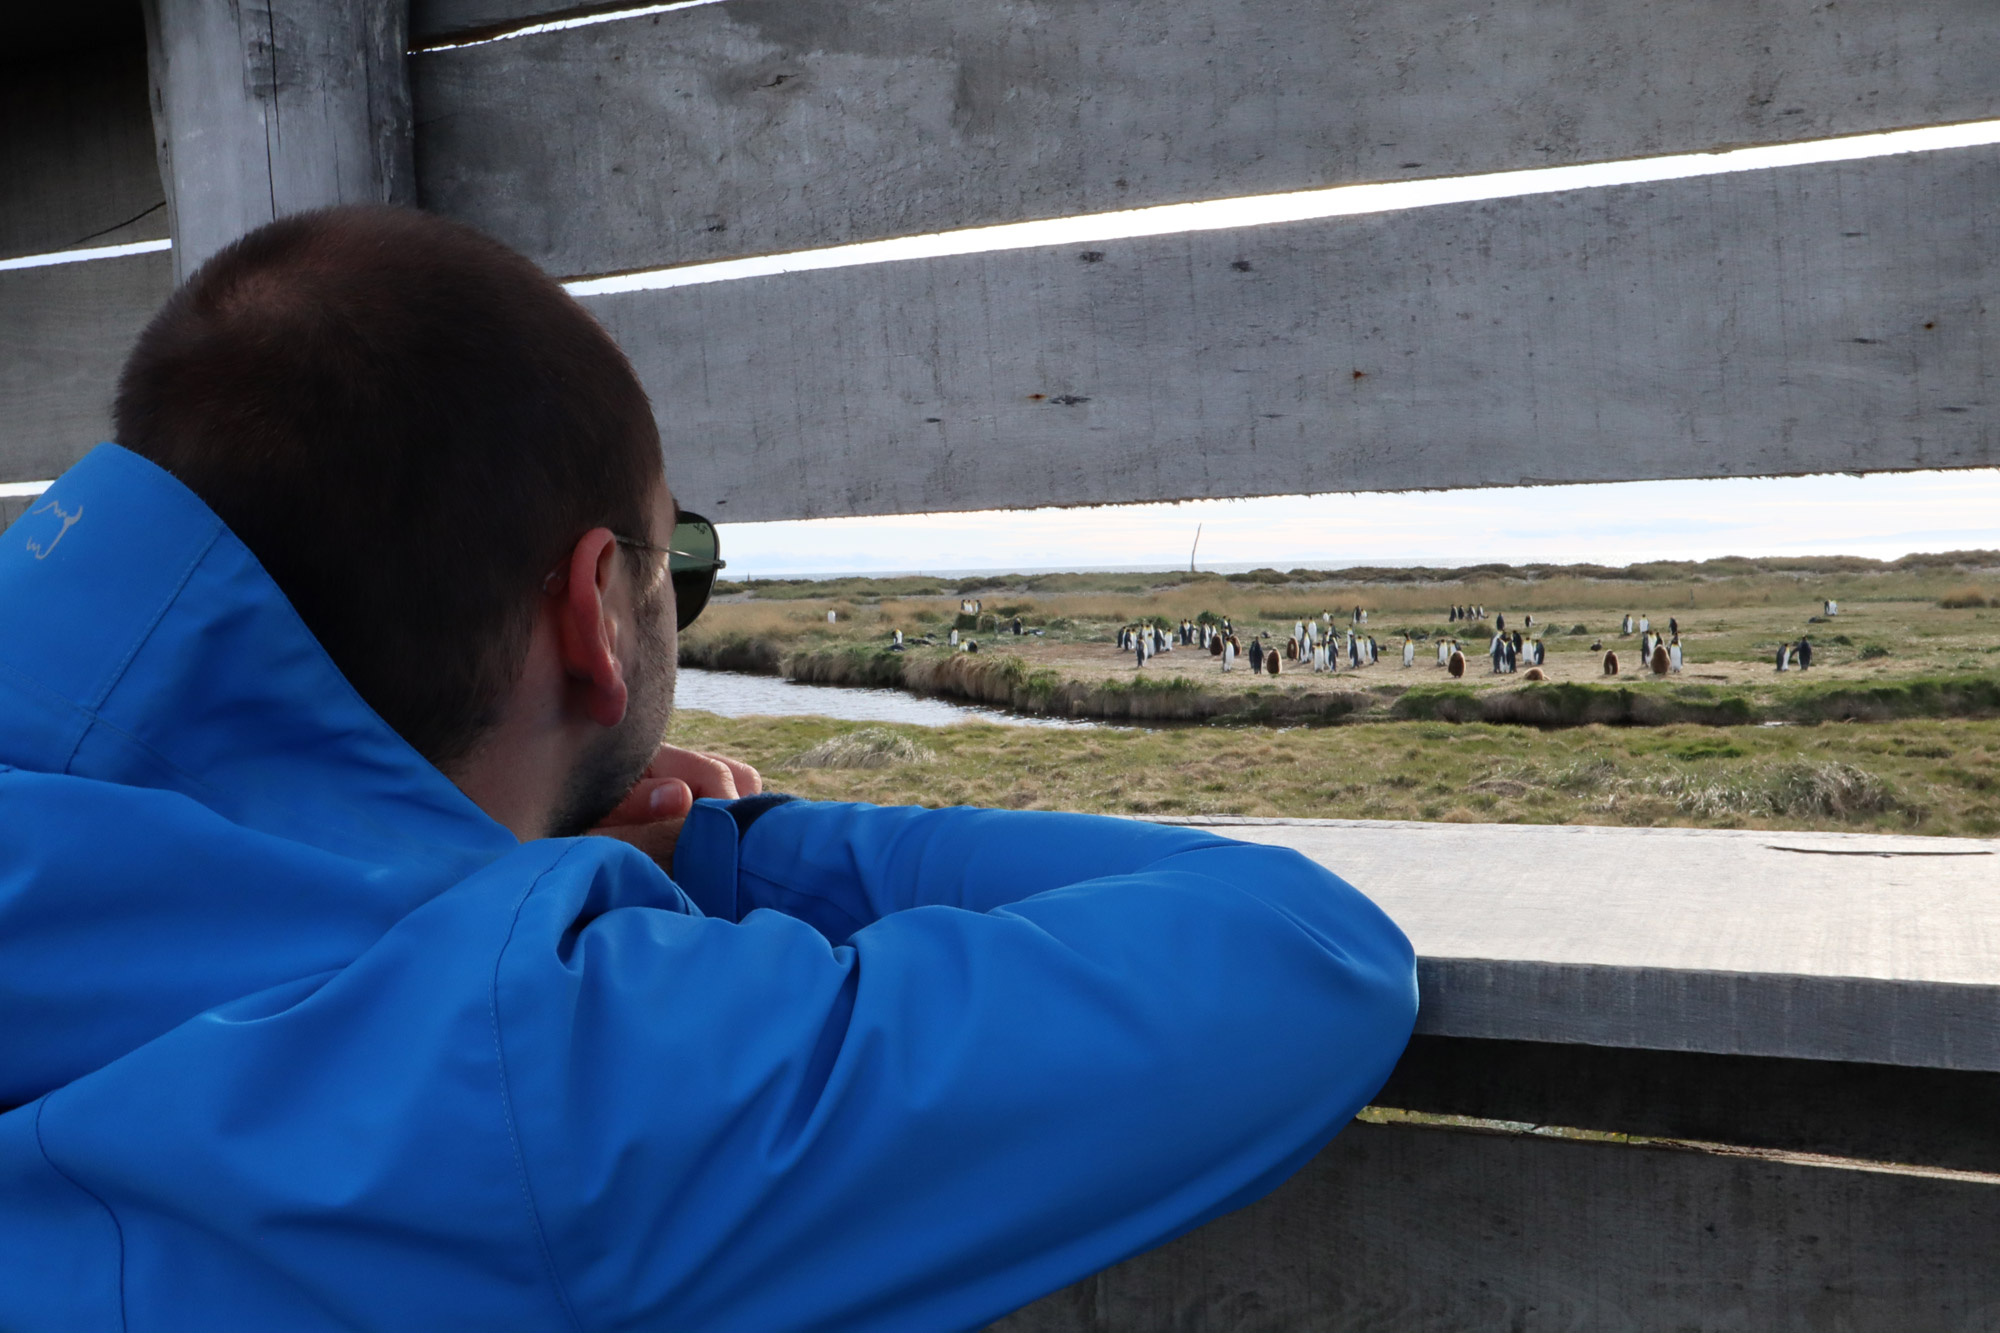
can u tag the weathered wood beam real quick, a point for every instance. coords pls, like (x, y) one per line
(269, 107)
(1424, 1228)
(1809, 319)
(64, 334)
(760, 126)
(1812, 946)
(1813, 1194)
(435, 20)
(1873, 1112)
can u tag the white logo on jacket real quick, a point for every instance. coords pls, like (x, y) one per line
(68, 518)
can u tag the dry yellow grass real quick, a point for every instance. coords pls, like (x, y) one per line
(1891, 623)
(1937, 777)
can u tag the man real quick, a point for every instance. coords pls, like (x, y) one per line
(323, 1010)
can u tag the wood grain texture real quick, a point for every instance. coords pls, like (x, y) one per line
(1688, 939)
(1853, 905)
(1420, 1229)
(64, 335)
(1810, 319)
(1884, 1113)
(270, 107)
(76, 153)
(1807, 1016)
(432, 20)
(761, 126)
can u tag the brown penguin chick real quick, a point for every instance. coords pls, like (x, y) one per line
(1271, 663)
(1659, 659)
(1455, 664)
(1534, 673)
(1215, 646)
(1611, 664)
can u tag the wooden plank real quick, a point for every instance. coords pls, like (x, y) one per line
(1854, 905)
(270, 107)
(447, 20)
(64, 335)
(1397, 1228)
(13, 506)
(1809, 319)
(1885, 1113)
(76, 153)
(759, 126)
(1862, 948)
(1811, 1016)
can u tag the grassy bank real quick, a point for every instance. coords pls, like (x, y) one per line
(1922, 776)
(1004, 680)
(1913, 638)
(1656, 703)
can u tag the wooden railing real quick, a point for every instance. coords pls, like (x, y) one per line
(1663, 1079)
(1815, 1031)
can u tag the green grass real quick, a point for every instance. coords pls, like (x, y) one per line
(1917, 776)
(1654, 704)
(1912, 641)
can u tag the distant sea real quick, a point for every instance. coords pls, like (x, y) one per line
(990, 571)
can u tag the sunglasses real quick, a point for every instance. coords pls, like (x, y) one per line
(692, 562)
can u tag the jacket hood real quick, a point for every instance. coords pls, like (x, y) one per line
(194, 803)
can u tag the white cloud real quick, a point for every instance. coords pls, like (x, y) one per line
(1884, 516)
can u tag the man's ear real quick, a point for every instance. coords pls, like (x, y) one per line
(587, 627)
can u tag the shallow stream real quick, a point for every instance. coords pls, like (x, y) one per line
(733, 694)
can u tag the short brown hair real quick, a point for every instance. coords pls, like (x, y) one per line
(409, 424)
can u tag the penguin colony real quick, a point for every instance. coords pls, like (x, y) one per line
(1335, 643)
(1314, 644)
(1324, 644)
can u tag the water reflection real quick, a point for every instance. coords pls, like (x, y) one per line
(735, 695)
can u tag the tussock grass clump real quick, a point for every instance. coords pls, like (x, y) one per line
(1583, 777)
(752, 654)
(863, 665)
(1647, 704)
(1827, 788)
(870, 747)
(1967, 598)
(1573, 705)
(1795, 789)
(1967, 695)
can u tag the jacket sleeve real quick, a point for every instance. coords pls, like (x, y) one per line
(976, 1056)
(839, 867)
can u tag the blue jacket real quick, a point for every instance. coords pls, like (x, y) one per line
(293, 1036)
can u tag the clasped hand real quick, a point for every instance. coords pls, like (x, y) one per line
(651, 814)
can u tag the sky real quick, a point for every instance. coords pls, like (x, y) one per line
(1883, 516)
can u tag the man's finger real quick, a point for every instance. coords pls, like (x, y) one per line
(717, 778)
(710, 776)
(670, 798)
(651, 800)
(749, 782)
(707, 775)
